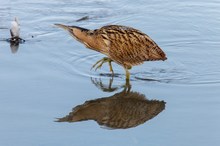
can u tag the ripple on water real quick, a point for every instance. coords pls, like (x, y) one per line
(179, 42)
(82, 65)
(164, 72)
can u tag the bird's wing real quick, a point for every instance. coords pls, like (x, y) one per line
(128, 46)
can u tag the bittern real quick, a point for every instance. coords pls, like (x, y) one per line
(124, 45)
(119, 111)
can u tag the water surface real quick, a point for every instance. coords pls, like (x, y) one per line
(48, 75)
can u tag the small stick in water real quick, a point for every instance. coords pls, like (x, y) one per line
(83, 19)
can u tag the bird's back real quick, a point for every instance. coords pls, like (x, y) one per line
(128, 46)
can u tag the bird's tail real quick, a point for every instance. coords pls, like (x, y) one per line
(158, 53)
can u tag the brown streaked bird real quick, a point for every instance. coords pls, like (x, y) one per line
(120, 111)
(124, 45)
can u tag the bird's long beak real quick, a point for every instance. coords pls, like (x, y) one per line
(65, 27)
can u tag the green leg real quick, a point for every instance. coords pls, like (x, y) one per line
(110, 66)
(127, 75)
(127, 86)
(99, 64)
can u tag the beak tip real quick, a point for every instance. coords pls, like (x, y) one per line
(61, 26)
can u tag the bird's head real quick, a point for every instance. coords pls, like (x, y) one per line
(78, 33)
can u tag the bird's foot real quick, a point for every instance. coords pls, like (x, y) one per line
(99, 64)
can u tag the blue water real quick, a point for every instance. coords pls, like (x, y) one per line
(50, 74)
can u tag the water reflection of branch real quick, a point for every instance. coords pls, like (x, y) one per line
(122, 110)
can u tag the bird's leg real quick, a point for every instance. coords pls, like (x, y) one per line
(127, 86)
(110, 66)
(102, 61)
(127, 75)
(99, 63)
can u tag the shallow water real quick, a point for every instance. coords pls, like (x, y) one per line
(48, 75)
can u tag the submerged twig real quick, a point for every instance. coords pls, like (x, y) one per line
(83, 19)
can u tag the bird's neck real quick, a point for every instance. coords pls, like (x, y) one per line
(86, 37)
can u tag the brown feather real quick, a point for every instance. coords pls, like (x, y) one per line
(121, 110)
(129, 46)
(124, 45)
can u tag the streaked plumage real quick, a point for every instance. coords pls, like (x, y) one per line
(124, 45)
(120, 111)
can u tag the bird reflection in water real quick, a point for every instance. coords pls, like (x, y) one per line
(122, 110)
(14, 47)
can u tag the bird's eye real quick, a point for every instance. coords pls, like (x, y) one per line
(90, 32)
